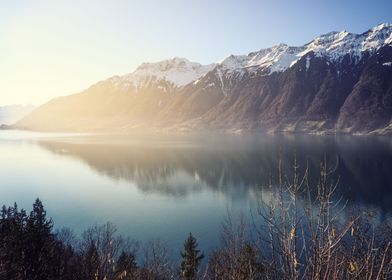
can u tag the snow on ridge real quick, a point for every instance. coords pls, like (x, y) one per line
(333, 45)
(177, 71)
(276, 58)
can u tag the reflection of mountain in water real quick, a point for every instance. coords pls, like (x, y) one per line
(238, 165)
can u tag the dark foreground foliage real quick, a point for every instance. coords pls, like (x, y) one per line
(299, 236)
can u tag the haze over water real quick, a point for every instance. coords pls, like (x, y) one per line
(165, 186)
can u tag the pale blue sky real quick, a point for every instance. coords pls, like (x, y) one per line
(50, 48)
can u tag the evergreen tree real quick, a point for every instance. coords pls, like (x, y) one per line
(191, 258)
(12, 224)
(29, 250)
(39, 242)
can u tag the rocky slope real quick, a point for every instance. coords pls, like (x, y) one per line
(339, 81)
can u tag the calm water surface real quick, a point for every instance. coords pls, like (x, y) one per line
(165, 186)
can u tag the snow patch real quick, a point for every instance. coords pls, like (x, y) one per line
(307, 63)
(221, 81)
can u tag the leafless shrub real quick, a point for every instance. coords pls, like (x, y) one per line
(303, 235)
(67, 236)
(156, 261)
(101, 247)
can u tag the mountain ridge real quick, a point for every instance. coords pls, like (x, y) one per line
(321, 86)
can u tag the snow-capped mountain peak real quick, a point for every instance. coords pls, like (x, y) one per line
(176, 71)
(381, 26)
(276, 58)
(333, 45)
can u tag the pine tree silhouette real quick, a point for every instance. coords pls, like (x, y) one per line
(39, 243)
(191, 258)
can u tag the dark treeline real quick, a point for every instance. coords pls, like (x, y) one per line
(296, 239)
(31, 249)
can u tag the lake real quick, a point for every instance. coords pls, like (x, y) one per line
(165, 186)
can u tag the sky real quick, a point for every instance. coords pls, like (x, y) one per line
(52, 48)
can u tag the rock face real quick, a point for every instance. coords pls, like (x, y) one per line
(338, 82)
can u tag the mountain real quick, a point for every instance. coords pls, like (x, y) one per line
(12, 113)
(338, 82)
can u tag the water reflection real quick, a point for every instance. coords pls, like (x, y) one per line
(237, 166)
